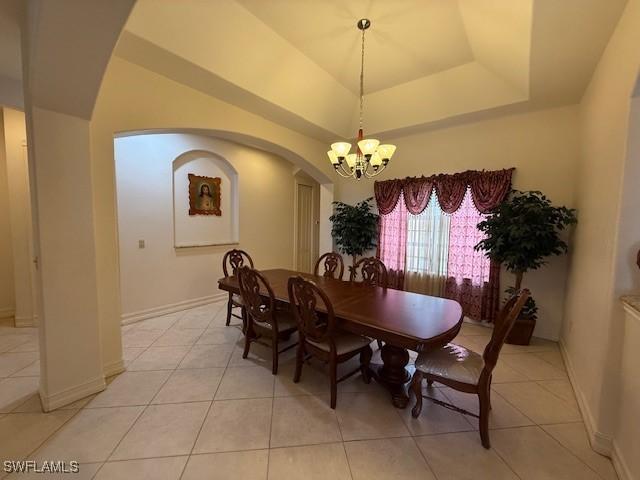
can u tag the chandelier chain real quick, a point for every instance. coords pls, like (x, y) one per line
(362, 81)
(370, 158)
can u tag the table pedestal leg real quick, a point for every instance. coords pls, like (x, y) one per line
(393, 374)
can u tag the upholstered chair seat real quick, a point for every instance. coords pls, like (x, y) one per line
(263, 317)
(286, 321)
(320, 336)
(466, 371)
(237, 299)
(452, 362)
(345, 343)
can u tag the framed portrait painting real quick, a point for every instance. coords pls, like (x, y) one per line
(204, 195)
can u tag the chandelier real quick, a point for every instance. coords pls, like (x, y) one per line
(370, 157)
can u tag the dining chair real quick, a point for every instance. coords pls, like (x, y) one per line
(231, 261)
(333, 265)
(465, 370)
(321, 337)
(264, 318)
(373, 272)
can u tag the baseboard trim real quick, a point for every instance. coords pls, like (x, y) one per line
(7, 312)
(113, 368)
(600, 442)
(71, 394)
(26, 321)
(134, 317)
(622, 469)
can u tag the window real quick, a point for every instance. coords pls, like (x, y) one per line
(428, 241)
(433, 253)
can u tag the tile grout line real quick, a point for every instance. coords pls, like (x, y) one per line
(273, 401)
(206, 415)
(149, 404)
(344, 448)
(273, 398)
(570, 451)
(145, 408)
(54, 432)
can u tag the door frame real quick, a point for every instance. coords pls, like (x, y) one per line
(314, 237)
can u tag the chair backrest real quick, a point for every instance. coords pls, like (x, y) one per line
(233, 260)
(373, 272)
(257, 295)
(333, 265)
(506, 318)
(305, 297)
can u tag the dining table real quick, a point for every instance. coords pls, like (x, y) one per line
(402, 320)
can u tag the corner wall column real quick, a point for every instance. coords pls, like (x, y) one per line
(61, 182)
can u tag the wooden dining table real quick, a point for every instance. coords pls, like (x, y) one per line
(402, 320)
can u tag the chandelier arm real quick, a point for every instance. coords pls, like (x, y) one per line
(347, 173)
(343, 175)
(375, 172)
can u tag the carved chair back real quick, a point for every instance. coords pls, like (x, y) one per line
(506, 318)
(305, 297)
(333, 265)
(373, 272)
(257, 295)
(233, 260)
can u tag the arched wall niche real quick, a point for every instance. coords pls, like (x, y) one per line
(205, 230)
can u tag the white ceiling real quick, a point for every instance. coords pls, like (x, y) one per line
(407, 39)
(428, 62)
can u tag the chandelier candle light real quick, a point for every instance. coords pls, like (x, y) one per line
(370, 158)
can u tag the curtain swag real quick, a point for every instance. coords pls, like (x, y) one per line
(488, 189)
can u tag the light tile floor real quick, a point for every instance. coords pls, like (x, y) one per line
(189, 407)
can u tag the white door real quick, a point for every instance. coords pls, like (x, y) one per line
(304, 228)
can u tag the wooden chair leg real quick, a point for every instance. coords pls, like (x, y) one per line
(365, 360)
(245, 320)
(299, 361)
(333, 374)
(247, 340)
(416, 388)
(274, 351)
(484, 399)
(489, 391)
(229, 308)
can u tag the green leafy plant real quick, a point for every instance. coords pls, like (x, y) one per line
(522, 232)
(355, 227)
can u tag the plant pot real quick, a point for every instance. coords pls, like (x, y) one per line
(522, 331)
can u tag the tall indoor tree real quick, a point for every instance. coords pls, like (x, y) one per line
(355, 228)
(523, 232)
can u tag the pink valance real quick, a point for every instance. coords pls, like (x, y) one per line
(488, 190)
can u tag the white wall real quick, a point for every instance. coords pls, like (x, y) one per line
(542, 145)
(135, 99)
(7, 304)
(601, 265)
(160, 275)
(19, 209)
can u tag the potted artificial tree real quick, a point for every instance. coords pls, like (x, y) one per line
(355, 228)
(520, 234)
